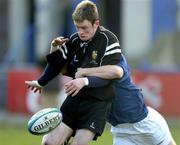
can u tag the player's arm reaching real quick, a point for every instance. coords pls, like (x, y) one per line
(53, 67)
(105, 72)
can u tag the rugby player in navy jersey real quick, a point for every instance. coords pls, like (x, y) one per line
(133, 123)
(84, 113)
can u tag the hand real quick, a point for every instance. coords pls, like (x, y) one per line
(34, 86)
(57, 42)
(79, 73)
(74, 86)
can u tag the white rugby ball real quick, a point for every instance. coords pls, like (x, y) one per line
(44, 121)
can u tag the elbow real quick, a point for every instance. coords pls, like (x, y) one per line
(117, 72)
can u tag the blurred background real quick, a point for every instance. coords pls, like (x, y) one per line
(149, 34)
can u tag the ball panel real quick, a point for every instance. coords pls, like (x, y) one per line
(44, 111)
(44, 121)
(41, 113)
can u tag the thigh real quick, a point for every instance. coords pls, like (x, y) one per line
(123, 140)
(58, 136)
(152, 130)
(83, 137)
(137, 139)
(92, 116)
(69, 111)
(160, 132)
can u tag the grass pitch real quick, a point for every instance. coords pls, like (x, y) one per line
(18, 135)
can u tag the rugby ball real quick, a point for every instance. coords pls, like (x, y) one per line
(44, 121)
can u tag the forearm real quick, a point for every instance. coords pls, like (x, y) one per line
(55, 65)
(48, 74)
(97, 81)
(105, 72)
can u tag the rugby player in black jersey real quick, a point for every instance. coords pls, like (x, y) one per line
(85, 112)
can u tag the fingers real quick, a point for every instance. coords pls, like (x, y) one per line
(78, 74)
(62, 39)
(28, 82)
(79, 69)
(70, 88)
(32, 85)
(59, 41)
(56, 43)
(65, 39)
(75, 93)
(37, 90)
(74, 86)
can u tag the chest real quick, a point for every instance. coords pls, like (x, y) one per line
(89, 54)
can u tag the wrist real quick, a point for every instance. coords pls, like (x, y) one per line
(84, 72)
(37, 84)
(86, 81)
(54, 48)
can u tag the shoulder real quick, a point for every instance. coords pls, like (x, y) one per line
(110, 36)
(72, 40)
(74, 37)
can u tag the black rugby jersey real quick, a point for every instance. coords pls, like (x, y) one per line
(103, 49)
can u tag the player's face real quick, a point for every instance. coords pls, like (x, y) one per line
(86, 29)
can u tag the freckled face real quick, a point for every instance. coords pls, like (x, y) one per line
(86, 30)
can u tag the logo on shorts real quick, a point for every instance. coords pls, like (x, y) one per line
(92, 125)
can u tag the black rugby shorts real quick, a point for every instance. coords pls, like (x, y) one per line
(85, 113)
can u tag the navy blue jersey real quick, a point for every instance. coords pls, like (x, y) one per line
(128, 104)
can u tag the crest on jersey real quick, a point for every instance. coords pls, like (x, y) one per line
(94, 55)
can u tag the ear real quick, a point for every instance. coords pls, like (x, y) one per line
(96, 22)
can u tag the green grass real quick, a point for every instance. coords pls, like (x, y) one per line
(18, 135)
(175, 133)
